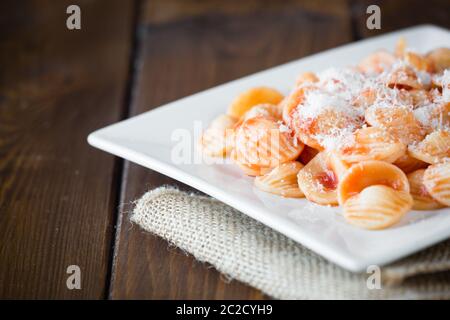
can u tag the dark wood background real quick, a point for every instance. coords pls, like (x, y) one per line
(64, 203)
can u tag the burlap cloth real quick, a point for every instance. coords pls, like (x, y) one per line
(246, 250)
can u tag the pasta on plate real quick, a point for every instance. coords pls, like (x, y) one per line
(373, 138)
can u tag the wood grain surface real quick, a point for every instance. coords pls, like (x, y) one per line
(64, 203)
(58, 196)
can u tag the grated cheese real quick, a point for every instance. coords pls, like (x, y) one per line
(347, 93)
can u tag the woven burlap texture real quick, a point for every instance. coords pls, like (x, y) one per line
(248, 251)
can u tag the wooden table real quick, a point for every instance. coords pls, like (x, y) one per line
(64, 203)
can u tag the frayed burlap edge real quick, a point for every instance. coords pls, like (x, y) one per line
(244, 249)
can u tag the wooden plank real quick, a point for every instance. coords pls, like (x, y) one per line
(178, 59)
(400, 14)
(169, 11)
(57, 194)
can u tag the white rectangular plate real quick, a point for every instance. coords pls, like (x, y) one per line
(149, 139)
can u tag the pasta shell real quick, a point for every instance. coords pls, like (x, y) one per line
(217, 140)
(434, 117)
(293, 100)
(400, 122)
(437, 182)
(306, 77)
(327, 126)
(246, 100)
(249, 170)
(365, 98)
(439, 58)
(318, 181)
(377, 62)
(377, 207)
(409, 164)
(433, 149)
(261, 142)
(265, 109)
(404, 78)
(282, 180)
(422, 199)
(368, 173)
(420, 97)
(417, 61)
(372, 143)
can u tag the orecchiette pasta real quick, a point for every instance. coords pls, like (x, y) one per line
(293, 100)
(261, 142)
(422, 198)
(433, 149)
(436, 179)
(417, 61)
(307, 77)
(377, 62)
(399, 121)
(405, 78)
(217, 140)
(368, 173)
(250, 169)
(318, 181)
(245, 101)
(282, 180)
(409, 164)
(372, 143)
(439, 59)
(377, 207)
(265, 109)
(374, 138)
